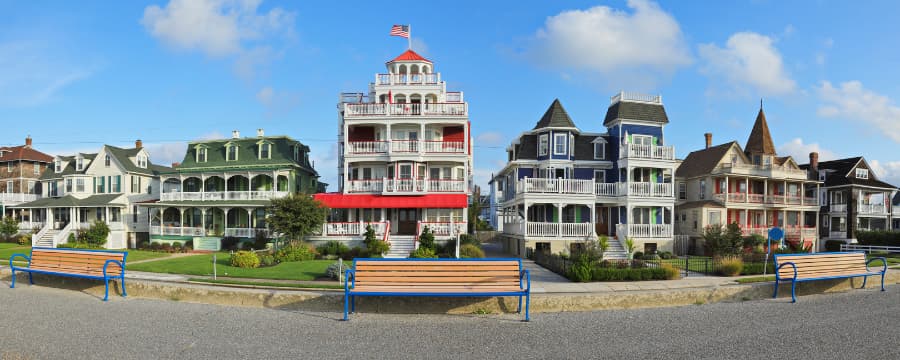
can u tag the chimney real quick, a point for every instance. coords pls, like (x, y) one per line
(175, 164)
(260, 133)
(814, 162)
(708, 140)
(28, 141)
(138, 144)
(235, 134)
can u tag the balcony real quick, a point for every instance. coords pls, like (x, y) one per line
(838, 208)
(351, 228)
(177, 230)
(405, 147)
(607, 189)
(365, 186)
(449, 147)
(646, 189)
(16, 198)
(550, 230)
(367, 147)
(407, 109)
(650, 152)
(772, 171)
(554, 186)
(222, 195)
(791, 232)
(872, 209)
(405, 186)
(446, 185)
(407, 79)
(771, 199)
(644, 231)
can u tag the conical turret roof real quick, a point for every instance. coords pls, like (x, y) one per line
(555, 117)
(760, 140)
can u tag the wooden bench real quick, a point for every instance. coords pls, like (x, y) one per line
(437, 277)
(88, 264)
(823, 266)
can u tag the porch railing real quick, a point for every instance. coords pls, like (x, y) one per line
(455, 147)
(351, 228)
(370, 185)
(407, 79)
(406, 109)
(838, 207)
(646, 189)
(644, 230)
(448, 185)
(367, 147)
(10, 198)
(555, 186)
(244, 232)
(445, 228)
(652, 152)
(872, 209)
(222, 195)
(566, 230)
(607, 189)
(404, 185)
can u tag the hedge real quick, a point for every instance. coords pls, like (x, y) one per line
(878, 238)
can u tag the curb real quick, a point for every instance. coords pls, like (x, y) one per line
(325, 300)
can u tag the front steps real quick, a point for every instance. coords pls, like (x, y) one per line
(616, 250)
(401, 246)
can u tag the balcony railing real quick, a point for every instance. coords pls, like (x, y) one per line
(554, 230)
(245, 232)
(644, 230)
(406, 109)
(367, 147)
(761, 170)
(446, 185)
(407, 79)
(366, 186)
(646, 189)
(405, 146)
(456, 147)
(350, 228)
(555, 186)
(222, 195)
(17, 198)
(30, 225)
(177, 230)
(838, 207)
(607, 189)
(790, 232)
(872, 209)
(653, 152)
(404, 185)
(444, 228)
(774, 199)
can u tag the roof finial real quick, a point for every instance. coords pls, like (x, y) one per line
(760, 103)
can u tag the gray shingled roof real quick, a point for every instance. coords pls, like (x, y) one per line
(760, 140)
(702, 162)
(555, 117)
(628, 110)
(840, 169)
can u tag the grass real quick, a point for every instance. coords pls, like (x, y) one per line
(202, 265)
(756, 279)
(7, 249)
(139, 255)
(267, 284)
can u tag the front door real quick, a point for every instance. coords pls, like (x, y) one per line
(602, 226)
(406, 221)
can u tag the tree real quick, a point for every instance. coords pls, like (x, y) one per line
(9, 226)
(712, 239)
(723, 241)
(296, 216)
(733, 239)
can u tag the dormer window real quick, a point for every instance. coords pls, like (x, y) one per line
(264, 149)
(79, 164)
(142, 161)
(862, 173)
(543, 144)
(231, 152)
(201, 154)
(57, 166)
(296, 153)
(599, 151)
(106, 161)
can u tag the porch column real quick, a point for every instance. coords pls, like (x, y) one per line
(389, 137)
(765, 190)
(784, 194)
(746, 189)
(419, 146)
(727, 189)
(783, 219)
(593, 220)
(203, 220)
(249, 218)
(225, 221)
(803, 193)
(746, 218)
(525, 223)
(181, 221)
(106, 215)
(559, 210)
(765, 218)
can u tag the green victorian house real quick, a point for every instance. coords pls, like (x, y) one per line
(222, 187)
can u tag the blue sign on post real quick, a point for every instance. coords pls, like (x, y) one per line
(777, 234)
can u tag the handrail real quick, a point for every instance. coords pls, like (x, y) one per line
(57, 239)
(883, 263)
(35, 237)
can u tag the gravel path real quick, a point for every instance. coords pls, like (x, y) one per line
(46, 323)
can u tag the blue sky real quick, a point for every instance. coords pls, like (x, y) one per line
(75, 75)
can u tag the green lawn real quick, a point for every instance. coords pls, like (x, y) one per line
(756, 279)
(138, 255)
(7, 249)
(202, 265)
(268, 284)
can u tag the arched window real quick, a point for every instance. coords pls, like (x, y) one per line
(231, 152)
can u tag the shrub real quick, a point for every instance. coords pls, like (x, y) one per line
(580, 272)
(355, 252)
(24, 240)
(754, 241)
(143, 245)
(166, 247)
(333, 247)
(267, 260)
(301, 252)
(374, 245)
(245, 259)
(640, 274)
(666, 255)
(651, 257)
(466, 239)
(176, 247)
(426, 239)
(155, 246)
(260, 241)
(672, 273)
(470, 251)
(189, 246)
(333, 270)
(9, 227)
(422, 253)
(71, 239)
(730, 266)
(638, 255)
(230, 243)
(878, 238)
(833, 245)
(97, 234)
(756, 268)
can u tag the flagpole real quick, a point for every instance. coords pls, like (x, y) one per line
(409, 39)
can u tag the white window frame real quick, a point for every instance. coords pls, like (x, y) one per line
(9, 167)
(682, 191)
(543, 144)
(228, 153)
(268, 148)
(702, 189)
(106, 161)
(142, 161)
(557, 142)
(201, 154)
(79, 164)
(602, 177)
(718, 214)
(9, 187)
(862, 173)
(602, 149)
(644, 138)
(57, 166)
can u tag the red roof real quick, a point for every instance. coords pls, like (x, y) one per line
(431, 201)
(23, 152)
(409, 55)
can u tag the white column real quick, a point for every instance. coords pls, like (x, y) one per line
(559, 210)
(803, 193)
(181, 222)
(727, 190)
(203, 220)
(593, 222)
(746, 189)
(525, 223)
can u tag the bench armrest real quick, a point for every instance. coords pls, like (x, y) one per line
(349, 279)
(883, 263)
(117, 262)
(778, 270)
(18, 255)
(527, 275)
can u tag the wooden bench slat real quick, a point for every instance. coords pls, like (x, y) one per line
(438, 263)
(438, 279)
(405, 273)
(437, 268)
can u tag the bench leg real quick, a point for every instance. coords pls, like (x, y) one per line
(519, 309)
(527, 305)
(353, 304)
(346, 305)
(793, 291)
(30, 278)
(123, 286)
(12, 284)
(865, 278)
(106, 294)
(775, 295)
(882, 281)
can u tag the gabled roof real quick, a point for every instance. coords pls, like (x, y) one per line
(409, 55)
(23, 152)
(639, 111)
(584, 147)
(69, 168)
(760, 140)
(840, 173)
(123, 155)
(555, 117)
(71, 201)
(282, 154)
(702, 162)
(526, 149)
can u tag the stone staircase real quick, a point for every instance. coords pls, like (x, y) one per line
(46, 239)
(401, 246)
(616, 250)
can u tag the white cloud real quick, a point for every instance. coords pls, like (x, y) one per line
(606, 41)
(265, 95)
(888, 171)
(489, 138)
(853, 102)
(748, 62)
(799, 150)
(221, 28)
(166, 153)
(33, 73)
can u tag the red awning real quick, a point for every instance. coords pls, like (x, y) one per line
(367, 201)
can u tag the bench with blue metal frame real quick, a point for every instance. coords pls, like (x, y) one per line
(81, 263)
(824, 266)
(438, 278)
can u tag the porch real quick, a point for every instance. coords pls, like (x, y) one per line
(208, 221)
(227, 186)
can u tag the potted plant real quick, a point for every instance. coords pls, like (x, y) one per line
(629, 247)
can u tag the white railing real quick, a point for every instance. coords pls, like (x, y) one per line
(607, 189)
(30, 225)
(370, 185)
(576, 229)
(872, 209)
(655, 152)
(797, 232)
(761, 170)
(644, 230)
(838, 207)
(555, 186)
(446, 185)
(63, 235)
(645, 189)
(453, 97)
(244, 232)
(842, 234)
(793, 200)
(870, 248)
(177, 230)
(774, 199)
(10, 198)
(756, 198)
(453, 147)
(633, 96)
(351, 228)
(445, 228)
(408, 79)
(404, 185)
(367, 147)
(222, 195)
(810, 201)
(406, 109)
(755, 230)
(40, 234)
(408, 146)
(555, 230)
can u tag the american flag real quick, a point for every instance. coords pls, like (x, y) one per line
(400, 30)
